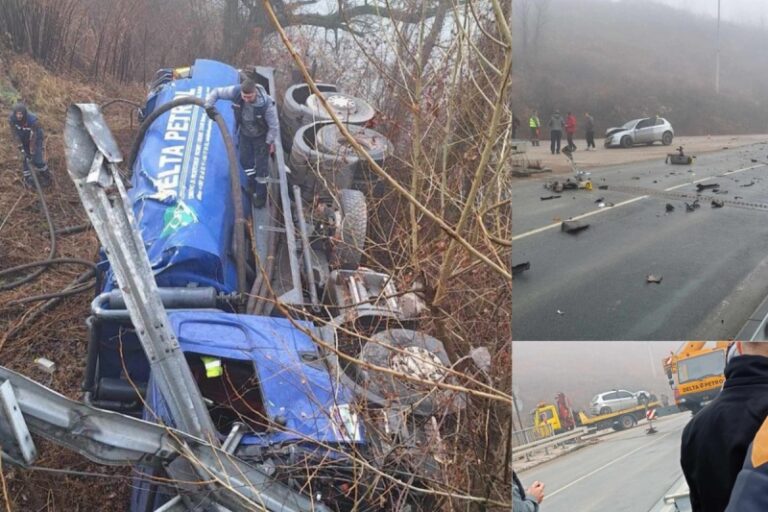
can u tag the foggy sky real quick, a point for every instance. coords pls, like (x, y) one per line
(752, 12)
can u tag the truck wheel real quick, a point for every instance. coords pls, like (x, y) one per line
(666, 139)
(348, 247)
(627, 421)
(626, 141)
(294, 109)
(316, 172)
(418, 355)
(348, 109)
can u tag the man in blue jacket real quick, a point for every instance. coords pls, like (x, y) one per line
(26, 128)
(257, 127)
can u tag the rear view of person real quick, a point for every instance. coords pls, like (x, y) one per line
(589, 130)
(716, 440)
(556, 125)
(27, 130)
(570, 131)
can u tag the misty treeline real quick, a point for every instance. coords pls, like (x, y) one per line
(628, 59)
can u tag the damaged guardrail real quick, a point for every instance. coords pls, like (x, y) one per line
(525, 451)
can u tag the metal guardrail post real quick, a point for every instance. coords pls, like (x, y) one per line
(92, 158)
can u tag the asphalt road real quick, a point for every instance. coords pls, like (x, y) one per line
(628, 471)
(592, 285)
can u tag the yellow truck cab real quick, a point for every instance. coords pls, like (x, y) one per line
(546, 420)
(695, 373)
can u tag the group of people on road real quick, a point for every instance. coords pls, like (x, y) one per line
(724, 451)
(557, 125)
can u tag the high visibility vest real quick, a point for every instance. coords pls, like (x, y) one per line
(213, 367)
(533, 122)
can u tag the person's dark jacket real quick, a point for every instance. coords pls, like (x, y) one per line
(716, 440)
(556, 122)
(520, 502)
(26, 127)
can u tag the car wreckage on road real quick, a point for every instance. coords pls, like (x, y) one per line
(242, 370)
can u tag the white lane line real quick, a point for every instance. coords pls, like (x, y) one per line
(614, 461)
(629, 201)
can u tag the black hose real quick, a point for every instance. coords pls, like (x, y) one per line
(45, 263)
(120, 100)
(238, 236)
(51, 231)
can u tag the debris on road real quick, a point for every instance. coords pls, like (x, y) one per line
(679, 158)
(689, 207)
(573, 226)
(651, 278)
(599, 200)
(670, 208)
(705, 186)
(559, 312)
(749, 184)
(717, 203)
(602, 187)
(547, 198)
(718, 191)
(520, 268)
(45, 364)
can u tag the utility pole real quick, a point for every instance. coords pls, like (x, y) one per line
(717, 53)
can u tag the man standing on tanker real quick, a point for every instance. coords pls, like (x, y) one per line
(257, 128)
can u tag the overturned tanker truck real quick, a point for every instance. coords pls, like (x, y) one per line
(240, 358)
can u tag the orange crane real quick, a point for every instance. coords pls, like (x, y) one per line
(695, 373)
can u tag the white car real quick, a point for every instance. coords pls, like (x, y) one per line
(618, 399)
(640, 131)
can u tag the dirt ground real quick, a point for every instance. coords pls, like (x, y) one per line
(602, 157)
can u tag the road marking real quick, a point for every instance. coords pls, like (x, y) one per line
(614, 461)
(629, 201)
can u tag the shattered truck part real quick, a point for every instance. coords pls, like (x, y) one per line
(520, 268)
(115, 439)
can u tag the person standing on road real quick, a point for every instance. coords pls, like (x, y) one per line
(526, 501)
(29, 133)
(257, 128)
(535, 125)
(716, 440)
(570, 130)
(556, 125)
(589, 130)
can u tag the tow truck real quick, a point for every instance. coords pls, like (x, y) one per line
(548, 415)
(228, 374)
(695, 373)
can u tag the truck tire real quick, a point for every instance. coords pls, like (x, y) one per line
(627, 421)
(420, 356)
(348, 247)
(348, 109)
(294, 110)
(318, 173)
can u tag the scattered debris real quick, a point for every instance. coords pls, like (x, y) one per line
(651, 278)
(573, 226)
(635, 177)
(753, 160)
(705, 186)
(692, 206)
(738, 197)
(670, 208)
(559, 312)
(718, 191)
(547, 198)
(749, 184)
(520, 268)
(482, 358)
(717, 203)
(46, 365)
(679, 158)
(599, 200)
(602, 187)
